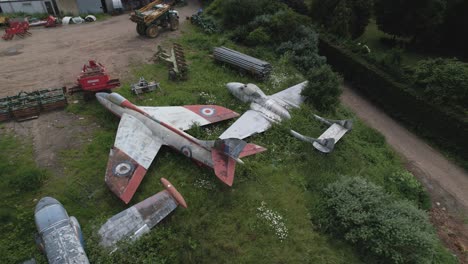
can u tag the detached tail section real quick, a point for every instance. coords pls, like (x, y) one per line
(225, 154)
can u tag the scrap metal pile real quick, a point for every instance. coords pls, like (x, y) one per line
(143, 86)
(28, 105)
(17, 28)
(258, 68)
(178, 68)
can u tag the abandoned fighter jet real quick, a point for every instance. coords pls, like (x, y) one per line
(143, 130)
(265, 110)
(59, 236)
(140, 218)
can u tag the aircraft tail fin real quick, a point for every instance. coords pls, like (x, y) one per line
(226, 152)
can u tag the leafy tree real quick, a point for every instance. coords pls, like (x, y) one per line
(455, 27)
(417, 19)
(323, 88)
(442, 80)
(297, 5)
(390, 229)
(241, 12)
(347, 18)
(281, 26)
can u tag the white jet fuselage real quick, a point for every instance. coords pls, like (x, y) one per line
(166, 134)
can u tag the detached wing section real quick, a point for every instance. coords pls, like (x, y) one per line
(134, 150)
(251, 122)
(291, 96)
(183, 117)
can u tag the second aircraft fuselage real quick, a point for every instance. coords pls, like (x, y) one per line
(267, 106)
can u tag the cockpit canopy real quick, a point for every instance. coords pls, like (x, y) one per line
(251, 90)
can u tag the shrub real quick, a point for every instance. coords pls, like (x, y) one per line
(443, 81)
(258, 37)
(281, 25)
(323, 88)
(404, 183)
(390, 229)
(207, 24)
(303, 48)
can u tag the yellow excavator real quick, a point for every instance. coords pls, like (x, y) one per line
(154, 16)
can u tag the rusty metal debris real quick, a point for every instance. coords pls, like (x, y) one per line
(258, 68)
(26, 105)
(144, 86)
(178, 68)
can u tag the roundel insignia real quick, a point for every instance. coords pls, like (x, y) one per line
(208, 111)
(123, 169)
(186, 151)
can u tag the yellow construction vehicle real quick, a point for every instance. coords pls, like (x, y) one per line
(155, 15)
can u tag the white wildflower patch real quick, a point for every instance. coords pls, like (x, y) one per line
(277, 78)
(208, 98)
(274, 220)
(213, 131)
(204, 184)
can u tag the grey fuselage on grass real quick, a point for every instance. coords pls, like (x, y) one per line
(59, 236)
(264, 109)
(268, 109)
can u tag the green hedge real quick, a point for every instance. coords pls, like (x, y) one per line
(447, 126)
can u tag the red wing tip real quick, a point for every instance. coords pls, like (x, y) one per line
(125, 200)
(173, 191)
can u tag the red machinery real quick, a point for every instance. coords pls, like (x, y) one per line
(93, 78)
(18, 28)
(51, 22)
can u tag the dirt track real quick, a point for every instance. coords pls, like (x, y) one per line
(53, 57)
(446, 182)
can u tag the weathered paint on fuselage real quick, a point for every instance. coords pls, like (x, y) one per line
(269, 107)
(167, 135)
(59, 233)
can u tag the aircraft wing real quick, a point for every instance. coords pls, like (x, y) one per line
(183, 117)
(134, 150)
(291, 96)
(251, 122)
(335, 131)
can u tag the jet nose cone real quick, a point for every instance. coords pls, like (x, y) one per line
(234, 87)
(44, 202)
(101, 96)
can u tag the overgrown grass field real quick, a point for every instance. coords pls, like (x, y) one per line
(266, 217)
